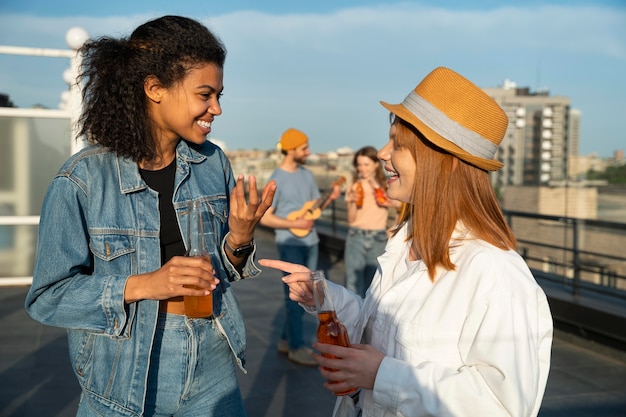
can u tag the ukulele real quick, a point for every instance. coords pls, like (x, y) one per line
(311, 210)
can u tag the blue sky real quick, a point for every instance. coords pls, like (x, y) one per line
(322, 66)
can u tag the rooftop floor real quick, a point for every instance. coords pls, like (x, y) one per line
(36, 379)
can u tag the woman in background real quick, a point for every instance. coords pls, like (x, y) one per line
(368, 210)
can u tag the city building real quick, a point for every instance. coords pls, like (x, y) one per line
(542, 137)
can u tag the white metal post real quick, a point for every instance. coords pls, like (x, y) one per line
(75, 38)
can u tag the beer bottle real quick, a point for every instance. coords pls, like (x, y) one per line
(197, 306)
(329, 330)
(380, 195)
(359, 195)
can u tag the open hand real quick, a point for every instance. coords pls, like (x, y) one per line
(244, 216)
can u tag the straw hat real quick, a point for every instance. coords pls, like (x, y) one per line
(291, 139)
(455, 115)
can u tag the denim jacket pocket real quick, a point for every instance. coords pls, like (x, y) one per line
(81, 352)
(217, 213)
(110, 246)
(218, 208)
(214, 218)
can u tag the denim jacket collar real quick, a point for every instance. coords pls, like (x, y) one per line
(130, 179)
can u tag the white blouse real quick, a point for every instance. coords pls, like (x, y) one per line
(475, 342)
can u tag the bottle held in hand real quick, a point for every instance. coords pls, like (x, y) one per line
(359, 195)
(381, 196)
(197, 306)
(329, 330)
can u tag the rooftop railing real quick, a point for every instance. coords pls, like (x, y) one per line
(577, 254)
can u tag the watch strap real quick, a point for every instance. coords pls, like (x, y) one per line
(241, 250)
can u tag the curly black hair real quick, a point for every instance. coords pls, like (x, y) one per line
(113, 71)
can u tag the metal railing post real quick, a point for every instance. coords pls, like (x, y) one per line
(576, 255)
(334, 217)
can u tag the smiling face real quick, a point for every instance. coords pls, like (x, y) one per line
(188, 108)
(400, 167)
(365, 167)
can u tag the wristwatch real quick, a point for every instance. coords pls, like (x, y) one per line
(241, 251)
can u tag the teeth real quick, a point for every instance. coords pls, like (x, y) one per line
(204, 124)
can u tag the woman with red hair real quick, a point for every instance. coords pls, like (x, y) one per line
(454, 324)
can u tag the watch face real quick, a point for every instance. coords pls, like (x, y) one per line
(244, 250)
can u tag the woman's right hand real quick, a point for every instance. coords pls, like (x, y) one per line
(298, 280)
(173, 280)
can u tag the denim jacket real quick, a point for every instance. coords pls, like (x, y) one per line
(99, 225)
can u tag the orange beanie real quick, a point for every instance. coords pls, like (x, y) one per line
(291, 139)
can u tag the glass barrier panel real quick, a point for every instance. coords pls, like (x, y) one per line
(33, 150)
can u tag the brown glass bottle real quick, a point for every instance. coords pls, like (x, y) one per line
(358, 200)
(329, 330)
(380, 195)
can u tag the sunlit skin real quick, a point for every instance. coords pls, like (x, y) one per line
(400, 167)
(187, 110)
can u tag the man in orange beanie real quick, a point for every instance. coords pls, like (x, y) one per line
(296, 238)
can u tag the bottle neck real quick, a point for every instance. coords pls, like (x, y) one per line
(195, 235)
(321, 294)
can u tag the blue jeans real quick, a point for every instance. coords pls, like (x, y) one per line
(302, 255)
(360, 253)
(192, 373)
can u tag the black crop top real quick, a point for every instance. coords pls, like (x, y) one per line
(162, 181)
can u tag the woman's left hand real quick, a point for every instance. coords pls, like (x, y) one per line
(355, 366)
(245, 216)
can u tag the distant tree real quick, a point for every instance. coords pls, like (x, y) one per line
(613, 174)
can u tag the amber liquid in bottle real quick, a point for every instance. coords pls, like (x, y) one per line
(197, 306)
(381, 196)
(329, 329)
(359, 195)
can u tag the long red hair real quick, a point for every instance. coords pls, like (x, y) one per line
(447, 190)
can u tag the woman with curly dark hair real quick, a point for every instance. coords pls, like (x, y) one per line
(110, 261)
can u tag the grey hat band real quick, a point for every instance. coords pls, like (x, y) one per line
(436, 120)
